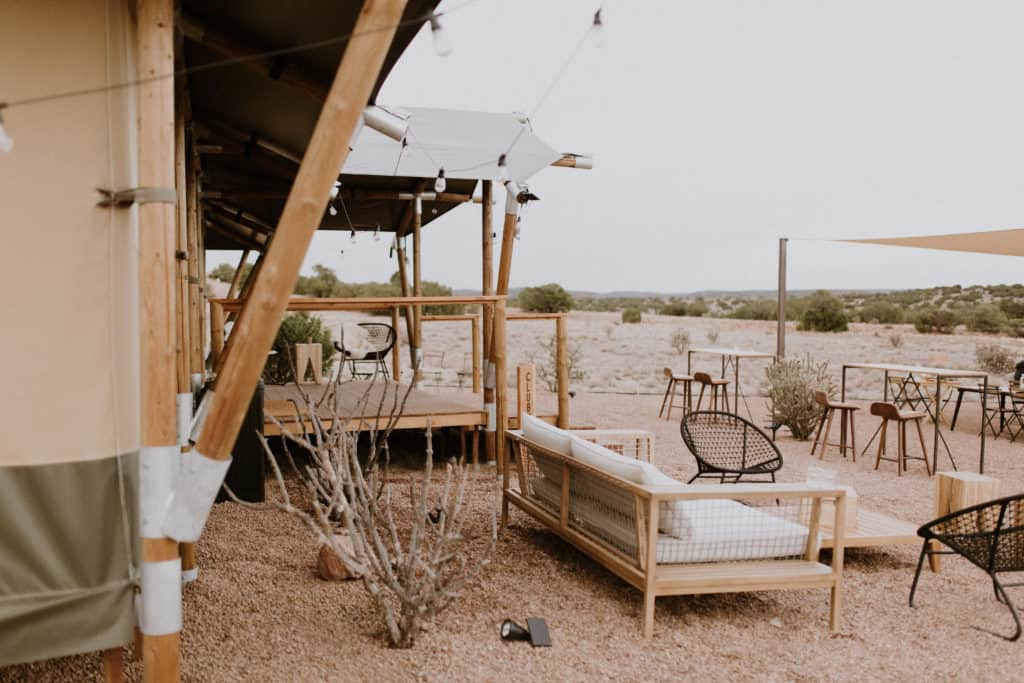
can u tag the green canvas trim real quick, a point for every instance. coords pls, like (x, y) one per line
(65, 582)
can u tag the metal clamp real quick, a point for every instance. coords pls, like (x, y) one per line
(121, 199)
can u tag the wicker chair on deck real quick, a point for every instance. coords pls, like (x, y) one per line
(990, 536)
(728, 447)
(381, 337)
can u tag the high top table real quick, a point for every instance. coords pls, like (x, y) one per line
(730, 358)
(939, 374)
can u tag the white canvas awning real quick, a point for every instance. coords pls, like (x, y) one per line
(1004, 242)
(467, 144)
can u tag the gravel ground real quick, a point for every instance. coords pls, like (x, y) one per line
(259, 613)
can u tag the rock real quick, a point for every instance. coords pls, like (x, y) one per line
(329, 566)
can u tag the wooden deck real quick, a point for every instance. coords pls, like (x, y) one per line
(441, 410)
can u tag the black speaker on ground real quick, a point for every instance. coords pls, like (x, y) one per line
(246, 474)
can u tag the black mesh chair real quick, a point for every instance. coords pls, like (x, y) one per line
(382, 339)
(990, 536)
(728, 448)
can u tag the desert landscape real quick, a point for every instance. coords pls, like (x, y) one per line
(259, 611)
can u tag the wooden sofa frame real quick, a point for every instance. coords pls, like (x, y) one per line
(655, 580)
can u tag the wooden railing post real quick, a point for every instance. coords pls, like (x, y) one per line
(562, 366)
(216, 333)
(475, 331)
(500, 386)
(396, 349)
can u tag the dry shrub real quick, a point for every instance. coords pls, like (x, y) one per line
(896, 339)
(680, 341)
(994, 359)
(713, 335)
(546, 360)
(791, 384)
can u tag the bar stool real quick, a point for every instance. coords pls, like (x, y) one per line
(714, 383)
(846, 411)
(888, 411)
(674, 381)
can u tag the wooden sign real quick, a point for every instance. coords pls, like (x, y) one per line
(526, 389)
(306, 355)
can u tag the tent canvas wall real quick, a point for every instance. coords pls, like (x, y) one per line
(70, 348)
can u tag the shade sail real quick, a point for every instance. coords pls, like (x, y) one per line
(466, 144)
(1004, 242)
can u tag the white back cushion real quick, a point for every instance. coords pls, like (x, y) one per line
(546, 435)
(607, 461)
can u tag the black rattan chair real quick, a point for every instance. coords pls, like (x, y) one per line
(727, 447)
(990, 536)
(382, 338)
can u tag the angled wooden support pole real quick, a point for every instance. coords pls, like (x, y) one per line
(487, 312)
(159, 453)
(223, 409)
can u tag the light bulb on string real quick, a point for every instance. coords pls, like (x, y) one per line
(6, 142)
(502, 170)
(352, 236)
(442, 46)
(335, 191)
(332, 209)
(598, 29)
(440, 184)
(376, 234)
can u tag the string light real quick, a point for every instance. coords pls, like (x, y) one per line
(440, 183)
(376, 234)
(335, 191)
(6, 143)
(352, 236)
(502, 169)
(442, 46)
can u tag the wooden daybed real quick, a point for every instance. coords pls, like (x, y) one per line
(667, 538)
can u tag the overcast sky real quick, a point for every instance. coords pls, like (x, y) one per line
(719, 126)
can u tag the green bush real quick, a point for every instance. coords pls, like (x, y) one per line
(698, 308)
(296, 328)
(758, 309)
(935, 320)
(1013, 308)
(225, 272)
(986, 318)
(824, 313)
(631, 315)
(677, 308)
(324, 283)
(994, 359)
(880, 312)
(791, 384)
(549, 298)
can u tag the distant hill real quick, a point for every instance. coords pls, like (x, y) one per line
(706, 293)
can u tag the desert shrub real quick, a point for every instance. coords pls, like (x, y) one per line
(323, 283)
(549, 298)
(1013, 308)
(225, 272)
(880, 312)
(680, 341)
(986, 318)
(677, 308)
(896, 340)
(546, 361)
(791, 384)
(713, 335)
(296, 328)
(935, 320)
(758, 309)
(994, 359)
(698, 308)
(631, 315)
(1015, 327)
(824, 313)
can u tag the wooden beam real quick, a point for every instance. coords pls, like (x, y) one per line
(196, 277)
(216, 225)
(410, 320)
(574, 161)
(371, 303)
(273, 68)
(475, 332)
(236, 280)
(396, 348)
(157, 299)
(268, 299)
(417, 285)
(500, 388)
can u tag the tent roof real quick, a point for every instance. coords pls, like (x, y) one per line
(274, 101)
(467, 144)
(1005, 242)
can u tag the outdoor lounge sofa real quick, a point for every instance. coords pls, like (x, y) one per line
(668, 538)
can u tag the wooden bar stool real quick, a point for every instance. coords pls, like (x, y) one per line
(674, 381)
(718, 387)
(888, 411)
(846, 411)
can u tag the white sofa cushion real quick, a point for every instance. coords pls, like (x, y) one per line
(608, 461)
(546, 435)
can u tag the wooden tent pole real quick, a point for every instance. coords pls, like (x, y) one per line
(403, 281)
(475, 332)
(487, 312)
(268, 298)
(161, 570)
(417, 285)
(501, 387)
(562, 368)
(197, 311)
(497, 428)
